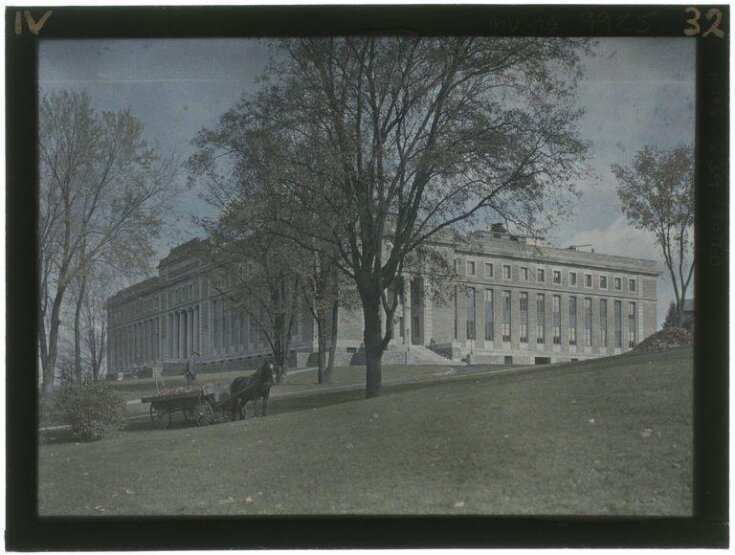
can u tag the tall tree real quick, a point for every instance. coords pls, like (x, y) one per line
(102, 188)
(657, 194)
(377, 144)
(259, 274)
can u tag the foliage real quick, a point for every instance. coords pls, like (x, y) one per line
(372, 146)
(657, 193)
(672, 318)
(93, 409)
(102, 192)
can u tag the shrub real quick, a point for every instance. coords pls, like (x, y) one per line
(92, 409)
(671, 320)
(47, 410)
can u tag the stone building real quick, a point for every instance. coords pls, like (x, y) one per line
(515, 301)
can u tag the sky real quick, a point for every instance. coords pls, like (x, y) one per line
(635, 92)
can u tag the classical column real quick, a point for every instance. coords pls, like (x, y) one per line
(167, 342)
(426, 310)
(192, 330)
(177, 336)
(182, 346)
(198, 329)
(407, 314)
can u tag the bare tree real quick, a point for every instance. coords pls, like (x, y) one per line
(657, 193)
(101, 191)
(377, 144)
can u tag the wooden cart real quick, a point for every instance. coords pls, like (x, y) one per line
(199, 407)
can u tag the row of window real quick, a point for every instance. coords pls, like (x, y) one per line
(140, 306)
(151, 304)
(182, 293)
(541, 275)
(556, 324)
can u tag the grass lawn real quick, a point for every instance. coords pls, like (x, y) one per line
(296, 381)
(605, 437)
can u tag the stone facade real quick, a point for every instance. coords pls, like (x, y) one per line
(514, 302)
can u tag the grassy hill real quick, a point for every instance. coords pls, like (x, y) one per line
(605, 437)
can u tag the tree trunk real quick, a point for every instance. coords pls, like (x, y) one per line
(78, 331)
(49, 363)
(373, 345)
(329, 376)
(279, 361)
(680, 312)
(321, 322)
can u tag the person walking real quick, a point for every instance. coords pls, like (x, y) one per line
(192, 366)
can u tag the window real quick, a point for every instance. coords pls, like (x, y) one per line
(506, 272)
(631, 285)
(603, 282)
(471, 313)
(631, 325)
(540, 318)
(540, 277)
(557, 276)
(588, 280)
(603, 323)
(524, 317)
(618, 324)
(556, 319)
(456, 264)
(506, 316)
(618, 284)
(470, 267)
(489, 316)
(524, 274)
(572, 278)
(488, 270)
(572, 320)
(588, 322)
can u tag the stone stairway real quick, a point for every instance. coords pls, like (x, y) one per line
(415, 354)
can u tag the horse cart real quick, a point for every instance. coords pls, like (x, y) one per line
(198, 405)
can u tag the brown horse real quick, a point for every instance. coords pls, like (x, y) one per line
(251, 388)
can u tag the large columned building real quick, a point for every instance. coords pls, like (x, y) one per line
(513, 301)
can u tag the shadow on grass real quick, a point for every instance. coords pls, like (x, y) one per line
(316, 400)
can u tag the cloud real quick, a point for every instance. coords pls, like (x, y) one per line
(618, 238)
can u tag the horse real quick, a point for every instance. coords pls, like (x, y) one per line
(244, 389)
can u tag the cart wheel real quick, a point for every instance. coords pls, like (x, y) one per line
(205, 413)
(159, 417)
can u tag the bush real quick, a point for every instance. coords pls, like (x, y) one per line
(47, 410)
(671, 317)
(92, 409)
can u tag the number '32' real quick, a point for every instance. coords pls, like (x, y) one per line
(694, 27)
